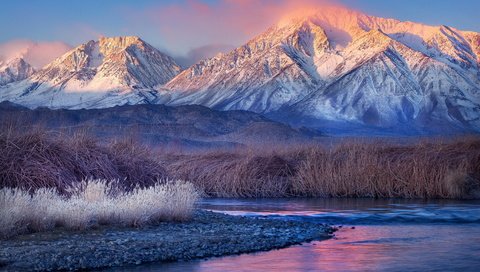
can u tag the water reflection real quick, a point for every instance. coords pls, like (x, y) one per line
(418, 242)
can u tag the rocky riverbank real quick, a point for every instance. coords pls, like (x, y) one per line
(208, 234)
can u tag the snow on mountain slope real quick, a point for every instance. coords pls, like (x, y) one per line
(332, 66)
(342, 65)
(279, 62)
(97, 74)
(14, 70)
(396, 85)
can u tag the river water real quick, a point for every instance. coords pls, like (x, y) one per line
(376, 235)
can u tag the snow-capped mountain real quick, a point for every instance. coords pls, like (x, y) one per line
(14, 70)
(334, 67)
(273, 70)
(343, 66)
(97, 74)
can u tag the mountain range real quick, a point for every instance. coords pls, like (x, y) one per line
(337, 70)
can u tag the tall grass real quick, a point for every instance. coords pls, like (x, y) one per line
(233, 174)
(429, 168)
(425, 168)
(41, 159)
(385, 170)
(91, 204)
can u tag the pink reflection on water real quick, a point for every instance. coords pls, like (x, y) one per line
(365, 248)
(324, 256)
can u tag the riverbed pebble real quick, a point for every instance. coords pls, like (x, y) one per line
(207, 234)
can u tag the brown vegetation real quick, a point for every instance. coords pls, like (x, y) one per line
(428, 168)
(380, 169)
(422, 170)
(41, 159)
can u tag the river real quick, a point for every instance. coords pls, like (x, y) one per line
(375, 235)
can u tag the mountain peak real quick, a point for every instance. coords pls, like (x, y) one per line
(121, 42)
(122, 39)
(330, 13)
(14, 70)
(126, 61)
(118, 69)
(14, 61)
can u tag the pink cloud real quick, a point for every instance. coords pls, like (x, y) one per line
(37, 54)
(195, 23)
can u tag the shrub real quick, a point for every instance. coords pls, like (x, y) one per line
(96, 203)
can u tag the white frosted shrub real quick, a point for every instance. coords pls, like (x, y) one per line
(92, 205)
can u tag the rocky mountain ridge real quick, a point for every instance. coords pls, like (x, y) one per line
(97, 74)
(333, 67)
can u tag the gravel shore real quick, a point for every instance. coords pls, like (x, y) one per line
(208, 234)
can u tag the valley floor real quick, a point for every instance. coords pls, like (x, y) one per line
(31, 161)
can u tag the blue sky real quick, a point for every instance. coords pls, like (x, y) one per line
(76, 21)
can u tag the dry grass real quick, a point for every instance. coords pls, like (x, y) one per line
(41, 159)
(234, 174)
(383, 170)
(425, 168)
(96, 203)
(380, 169)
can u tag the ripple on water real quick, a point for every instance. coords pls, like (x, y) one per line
(389, 235)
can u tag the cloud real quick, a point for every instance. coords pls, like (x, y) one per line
(38, 54)
(203, 52)
(196, 23)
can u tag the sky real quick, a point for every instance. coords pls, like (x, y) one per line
(189, 30)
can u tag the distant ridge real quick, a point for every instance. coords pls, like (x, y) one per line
(190, 126)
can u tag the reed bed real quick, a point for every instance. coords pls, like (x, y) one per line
(428, 168)
(421, 168)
